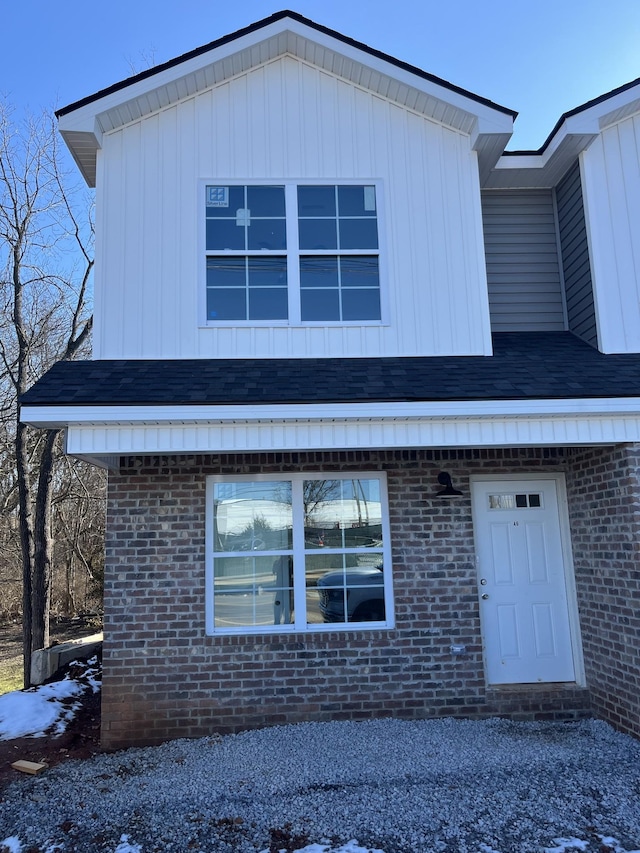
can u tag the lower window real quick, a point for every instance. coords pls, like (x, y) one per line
(297, 552)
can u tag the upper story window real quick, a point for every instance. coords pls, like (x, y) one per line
(292, 253)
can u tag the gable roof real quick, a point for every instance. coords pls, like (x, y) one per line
(574, 131)
(285, 33)
(525, 366)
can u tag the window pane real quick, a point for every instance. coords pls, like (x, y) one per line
(225, 234)
(318, 234)
(317, 201)
(252, 516)
(346, 593)
(226, 272)
(358, 234)
(366, 603)
(357, 201)
(361, 304)
(268, 303)
(265, 201)
(320, 305)
(224, 201)
(268, 272)
(340, 505)
(319, 272)
(266, 233)
(359, 271)
(226, 304)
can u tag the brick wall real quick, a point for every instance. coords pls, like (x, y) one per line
(604, 505)
(165, 678)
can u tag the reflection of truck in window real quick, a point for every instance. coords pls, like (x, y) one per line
(353, 595)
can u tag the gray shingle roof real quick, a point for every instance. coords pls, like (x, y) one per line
(524, 365)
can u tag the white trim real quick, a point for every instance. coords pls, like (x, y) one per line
(298, 549)
(103, 432)
(292, 252)
(255, 413)
(567, 555)
(97, 441)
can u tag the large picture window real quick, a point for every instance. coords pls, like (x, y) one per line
(300, 552)
(292, 253)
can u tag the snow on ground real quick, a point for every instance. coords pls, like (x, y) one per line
(564, 845)
(48, 708)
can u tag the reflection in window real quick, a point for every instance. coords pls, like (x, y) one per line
(513, 501)
(321, 537)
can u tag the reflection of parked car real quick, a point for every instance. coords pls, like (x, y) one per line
(364, 593)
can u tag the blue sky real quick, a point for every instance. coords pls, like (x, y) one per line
(541, 58)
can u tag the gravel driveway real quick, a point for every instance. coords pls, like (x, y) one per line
(401, 787)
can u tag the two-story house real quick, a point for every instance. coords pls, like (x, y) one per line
(368, 390)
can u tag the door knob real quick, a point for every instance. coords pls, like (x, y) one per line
(484, 596)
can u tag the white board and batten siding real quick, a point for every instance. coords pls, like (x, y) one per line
(287, 119)
(523, 270)
(611, 189)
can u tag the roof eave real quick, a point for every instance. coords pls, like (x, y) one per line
(281, 34)
(573, 133)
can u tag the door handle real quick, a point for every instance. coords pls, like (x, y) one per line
(484, 596)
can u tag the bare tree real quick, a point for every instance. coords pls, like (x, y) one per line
(45, 273)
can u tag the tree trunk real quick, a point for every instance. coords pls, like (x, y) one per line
(26, 542)
(43, 551)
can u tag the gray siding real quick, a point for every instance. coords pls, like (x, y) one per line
(575, 257)
(525, 291)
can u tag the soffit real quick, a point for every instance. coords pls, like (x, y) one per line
(287, 36)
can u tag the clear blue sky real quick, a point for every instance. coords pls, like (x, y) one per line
(540, 57)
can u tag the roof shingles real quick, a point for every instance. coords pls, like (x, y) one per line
(533, 365)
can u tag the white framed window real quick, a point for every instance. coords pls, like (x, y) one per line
(295, 252)
(297, 552)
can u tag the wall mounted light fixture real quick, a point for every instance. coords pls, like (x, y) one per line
(444, 478)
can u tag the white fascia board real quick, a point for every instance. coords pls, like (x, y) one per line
(586, 124)
(61, 416)
(84, 118)
(489, 119)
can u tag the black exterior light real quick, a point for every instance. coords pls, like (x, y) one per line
(444, 478)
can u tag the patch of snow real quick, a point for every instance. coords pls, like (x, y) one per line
(48, 708)
(565, 844)
(125, 847)
(614, 844)
(29, 713)
(12, 844)
(349, 847)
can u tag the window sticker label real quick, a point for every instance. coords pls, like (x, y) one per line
(217, 196)
(369, 198)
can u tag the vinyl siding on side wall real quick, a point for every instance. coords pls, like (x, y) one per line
(525, 292)
(576, 267)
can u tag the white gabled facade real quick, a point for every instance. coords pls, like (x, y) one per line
(287, 103)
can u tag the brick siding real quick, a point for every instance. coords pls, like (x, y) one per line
(165, 678)
(604, 505)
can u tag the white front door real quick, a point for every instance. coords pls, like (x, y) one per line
(522, 582)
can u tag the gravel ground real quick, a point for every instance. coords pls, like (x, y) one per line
(451, 786)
